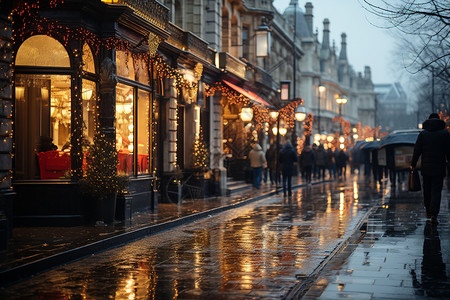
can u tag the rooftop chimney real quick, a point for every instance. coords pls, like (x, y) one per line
(309, 16)
(343, 54)
(367, 73)
(326, 34)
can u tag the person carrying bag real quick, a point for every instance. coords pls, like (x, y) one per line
(433, 145)
(414, 181)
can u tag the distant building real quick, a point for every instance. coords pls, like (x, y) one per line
(392, 106)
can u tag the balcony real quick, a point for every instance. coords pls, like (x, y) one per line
(153, 11)
(264, 78)
(187, 41)
(232, 64)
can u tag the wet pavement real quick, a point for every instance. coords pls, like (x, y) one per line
(402, 256)
(251, 252)
(308, 246)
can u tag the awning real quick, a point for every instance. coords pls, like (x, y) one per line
(249, 94)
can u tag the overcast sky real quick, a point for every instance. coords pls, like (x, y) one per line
(367, 45)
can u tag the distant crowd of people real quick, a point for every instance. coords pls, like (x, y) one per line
(313, 162)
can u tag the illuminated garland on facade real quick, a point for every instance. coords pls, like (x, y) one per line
(260, 113)
(308, 124)
(287, 113)
(32, 23)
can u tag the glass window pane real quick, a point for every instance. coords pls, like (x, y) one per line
(125, 127)
(88, 59)
(42, 126)
(143, 138)
(142, 71)
(42, 50)
(89, 109)
(125, 66)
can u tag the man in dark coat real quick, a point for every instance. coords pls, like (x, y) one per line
(341, 163)
(288, 159)
(433, 144)
(307, 160)
(321, 161)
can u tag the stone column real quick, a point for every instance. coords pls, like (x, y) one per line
(107, 94)
(76, 152)
(216, 136)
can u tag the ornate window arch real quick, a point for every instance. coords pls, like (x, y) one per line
(42, 126)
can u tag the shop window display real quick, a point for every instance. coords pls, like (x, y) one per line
(43, 112)
(125, 127)
(143, 132)
(133, 118)
(43, 117)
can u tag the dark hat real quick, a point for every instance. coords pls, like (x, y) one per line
(434, 116)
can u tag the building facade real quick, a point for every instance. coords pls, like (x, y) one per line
(392, 107)
(163, 81)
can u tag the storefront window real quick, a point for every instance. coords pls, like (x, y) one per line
(125, 127)
(88, 59)
(125, 65)
(42, 111)
(42, 127)
(89, 109)
(143, 133)
(142, 74)
(43, 51)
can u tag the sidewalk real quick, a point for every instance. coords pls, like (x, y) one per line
(402, 256)
(35, 249)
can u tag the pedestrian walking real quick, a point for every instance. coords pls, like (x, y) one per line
(433, 145)
(271, 154)
(257, 163)
(321, 161)
(341, 163)
(331, 163)
(288, 162)
(306, 163)
(314, 169)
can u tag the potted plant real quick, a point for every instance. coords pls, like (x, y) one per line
(100, 180)
(200, 163)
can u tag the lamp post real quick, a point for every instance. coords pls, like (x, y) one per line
(321, 89)
(340, 101)
(263, 39)
(294, 75)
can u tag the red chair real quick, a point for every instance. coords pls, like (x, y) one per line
(142, 163)
(125, 161)
(53, 164)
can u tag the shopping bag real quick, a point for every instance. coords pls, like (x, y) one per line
(413, 181)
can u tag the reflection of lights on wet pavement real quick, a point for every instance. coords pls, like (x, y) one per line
(341, 204)
(328, 202)
(128, 291)
(355, 192)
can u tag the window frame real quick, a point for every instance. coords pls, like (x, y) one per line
(136, 85)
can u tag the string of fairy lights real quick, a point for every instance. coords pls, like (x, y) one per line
(260, 113)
